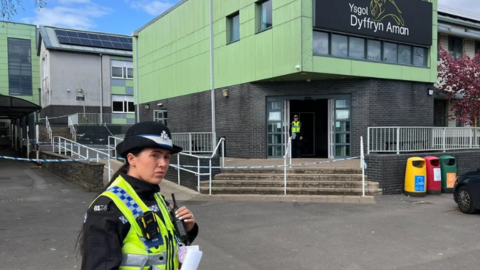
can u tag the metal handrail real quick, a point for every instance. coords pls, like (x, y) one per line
(49, 129)
(114, 144)
(197, 173)
(72, 129)
(288, 154)
(78, 153)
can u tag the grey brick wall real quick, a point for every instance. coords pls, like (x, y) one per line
(241, 117)
(389, 170)
(60, 110)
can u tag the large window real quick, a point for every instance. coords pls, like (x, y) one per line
(20, 66)
(233, 24)
(265, 14)
(455, 47)
(122, 104)
(368, 49)
(160, 116)
(122, 69)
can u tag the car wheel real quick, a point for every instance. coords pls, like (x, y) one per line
(465, 201)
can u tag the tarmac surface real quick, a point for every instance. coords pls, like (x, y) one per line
(42, 215)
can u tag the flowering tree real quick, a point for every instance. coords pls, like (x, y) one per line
(460, 79)
(8, 8)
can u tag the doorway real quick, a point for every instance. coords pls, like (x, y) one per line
(440, 113)
(313, 114)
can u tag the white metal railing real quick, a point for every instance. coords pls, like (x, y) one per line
(67, 147)
(417, 139)
(194, 142)
(49, 129)
(94, 118)
(112, 143)
(288, 154)
(72, 128)
(179, 168)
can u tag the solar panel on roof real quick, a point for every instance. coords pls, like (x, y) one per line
(82, 35)
(96, 40)
(63, 39)
(72, 34)
(60, 33)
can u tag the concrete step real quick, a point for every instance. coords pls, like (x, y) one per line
(293, 184)
(292, 176)
(296, 170)
(291, 191)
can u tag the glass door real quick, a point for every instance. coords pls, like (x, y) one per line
(342, 128)
(275, 140)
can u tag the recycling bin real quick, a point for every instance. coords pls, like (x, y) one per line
(415, 177)
(448, 166)
(434, 175)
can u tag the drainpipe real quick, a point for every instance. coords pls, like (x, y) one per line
(212, 79)
(135, 35)
(101, 90)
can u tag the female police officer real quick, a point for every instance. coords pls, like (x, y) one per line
(117, 232)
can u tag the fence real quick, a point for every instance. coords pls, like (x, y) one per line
(421, 139)
(94, 118)
(194, 142)
(71, 148)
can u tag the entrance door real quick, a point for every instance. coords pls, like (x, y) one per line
(275, 129)
(308, 129)
(331, 128)
(440, 113)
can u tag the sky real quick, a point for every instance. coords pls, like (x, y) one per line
(125, 16)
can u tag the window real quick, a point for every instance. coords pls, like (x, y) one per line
(265, 16)
(122, 104)
(320, 43)
(356, 48)
(233, 22)
(455, 47)
(20, 66)
(374, 50)
(389, 52)
(420, 56)
(368, 49)
(339, 45)
(405, 54)
(122, 69)
(160, 116)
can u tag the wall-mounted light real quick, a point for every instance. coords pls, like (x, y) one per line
(225, 93)
(80, 90)
(160, 104)
(147, 106)
(430, 92)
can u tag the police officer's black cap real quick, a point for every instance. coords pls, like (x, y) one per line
(149, 134)
(295, 116)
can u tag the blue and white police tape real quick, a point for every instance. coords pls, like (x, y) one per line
(57, 160)
(266, 166)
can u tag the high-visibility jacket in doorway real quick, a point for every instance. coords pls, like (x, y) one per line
(296, 126)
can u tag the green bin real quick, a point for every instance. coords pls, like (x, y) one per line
(448, 166)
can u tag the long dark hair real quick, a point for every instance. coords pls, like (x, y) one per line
(122, 170)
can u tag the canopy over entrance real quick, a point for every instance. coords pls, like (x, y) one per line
(14, 108)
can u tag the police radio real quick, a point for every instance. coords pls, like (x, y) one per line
(179, 224)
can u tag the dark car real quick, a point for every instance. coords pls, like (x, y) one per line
(466, 192)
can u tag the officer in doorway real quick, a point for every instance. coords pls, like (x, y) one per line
(296, 133)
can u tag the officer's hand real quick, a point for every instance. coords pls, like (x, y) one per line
(186, 215)
(301, 138)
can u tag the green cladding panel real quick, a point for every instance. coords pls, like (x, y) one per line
(174, 51)
(20, 31)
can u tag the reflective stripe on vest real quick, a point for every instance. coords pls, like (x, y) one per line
(135, 260)
(296, 127)
(136, 254)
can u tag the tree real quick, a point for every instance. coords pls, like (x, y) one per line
(8, 8)
(460, 79)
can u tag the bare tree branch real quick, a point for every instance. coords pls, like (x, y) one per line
(8, 8)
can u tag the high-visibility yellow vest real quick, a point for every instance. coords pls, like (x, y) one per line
(135, 251)
(296, 127)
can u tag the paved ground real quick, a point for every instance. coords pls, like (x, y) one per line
(42, 215)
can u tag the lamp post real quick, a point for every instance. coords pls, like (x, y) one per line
(212, 77)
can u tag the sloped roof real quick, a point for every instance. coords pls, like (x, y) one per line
(48, 35)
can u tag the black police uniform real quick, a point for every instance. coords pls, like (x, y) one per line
(106, 227)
